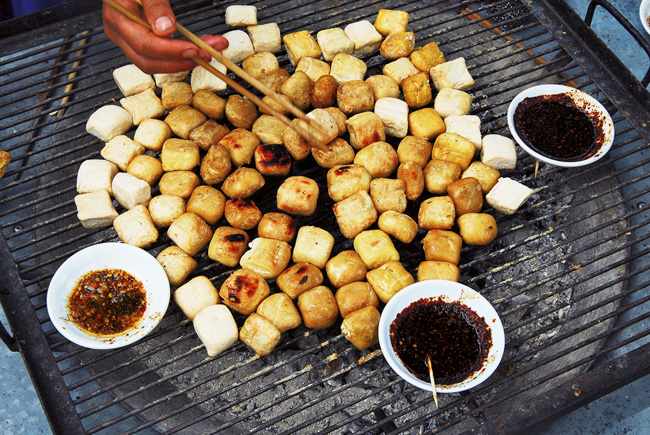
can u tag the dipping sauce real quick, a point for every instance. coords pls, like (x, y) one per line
(554, 126)
(456, 338)
(107, 302)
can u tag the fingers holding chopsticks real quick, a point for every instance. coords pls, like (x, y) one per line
(153, 51)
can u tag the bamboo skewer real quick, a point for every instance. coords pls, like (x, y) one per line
(307, 135)
(433, 382)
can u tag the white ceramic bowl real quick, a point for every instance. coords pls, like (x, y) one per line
(582, 100)
(644, 13)
(138, 262)
(449, 292)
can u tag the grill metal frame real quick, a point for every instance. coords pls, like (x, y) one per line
(77, 400)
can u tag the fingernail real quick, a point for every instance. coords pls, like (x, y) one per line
(189, 53)
(163, 24)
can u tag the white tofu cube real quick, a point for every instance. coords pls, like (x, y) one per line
(241, 15)
(395, 115)
(130, 191)
(499, 152)
(450, 102)
(95, 209)
(121, 150)
(508, 195)
(346, 68)
(265, 37)
(400, 69)
(203, 79)
(452, 74)
(94, 175)
(162, 78)
(145, 105)
(365, 37)
(216, 328)
(135, 227)
(195, 295)
(131, 80)
(109, 121)
(239, 46)
(334, 41)
(468, 126)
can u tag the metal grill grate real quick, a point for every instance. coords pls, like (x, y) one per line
(568, 273)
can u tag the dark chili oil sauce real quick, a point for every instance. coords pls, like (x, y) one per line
(107, 302)
(555, 127)
(453, 335)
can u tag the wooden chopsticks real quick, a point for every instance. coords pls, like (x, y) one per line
(311, 138)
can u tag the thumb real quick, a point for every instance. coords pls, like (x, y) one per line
(160, 16)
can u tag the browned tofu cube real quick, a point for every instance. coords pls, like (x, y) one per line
(355, 96)
(183, 119)
(437, 213)
(209, 103)
(355, 214)
(208, 134)
(467, 195)
(477, 228)
(439, 174)
(176, 94)
(441, 245)
(272, 159)
(453, 148)
(438, 270)
(298, 195)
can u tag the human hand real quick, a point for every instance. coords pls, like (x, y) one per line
(153, 51)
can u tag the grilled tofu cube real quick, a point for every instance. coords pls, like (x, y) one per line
(152, 133)
(278, 226)
(400, 69)
(388, 194)
(345, 267)
(427, 57)
(176, 94)
(177, 264)
(260, 334)
(438, 174)
(145, 105)
(272, 159)
(339, 118)
(398, 45)
(365, 128)
(313, 245)
(298, 195)
(216, 328)
(453, 148)
(499, 152)
(95, 209)
(477, 228)
(355, 96)
(265, 37)
(438, 270)
(268, 130)
(486, 176)
(180, 183)
(190, 233)
(414, 149)
(345, 180)
(164, 209)
(326, 123)
(162, 78)
(437, 213)
(383, 87)
(426, 123)
(334, 41)
(242, 213)
(442, 245)
(417, 91)
(241, 112)
(203, 79)
(135, 227)
(281, 311)
(301, 44)
(390, 21)
(180, 155)
(228, 245)
(413, 177)
(147, 168)
(260, 63)
(208, 134)
(183, 119)
(239, 46)
(355, 296)
(467, 195)
(210, 104)
(241, 15)
(339, 152)
(314, 68)
(468, 126)
(398, 225)
(388, 279)
(354, 214)
(375, 248)
(361, 327)
(452, 74)
(365, 37)
(508, 195)
(275, 104)
(267, 257)
(131, 80)
(241, 145)
(94, 175)
(324, 91)
(215, 165)
(208, 203)
(299, 278)
(318, 307)
(121, 150)
(298, 88)
(297, 146)
(379, 158)
(195, 295)
(452, 102)
(109, 121)
(394, 113)
(242, 183)
(275, 79)
(346, 68)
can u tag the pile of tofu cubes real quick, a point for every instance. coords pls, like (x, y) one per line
(209, 155)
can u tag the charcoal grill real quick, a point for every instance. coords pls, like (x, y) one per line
(568, 273)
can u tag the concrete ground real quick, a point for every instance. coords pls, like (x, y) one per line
(625, 411)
